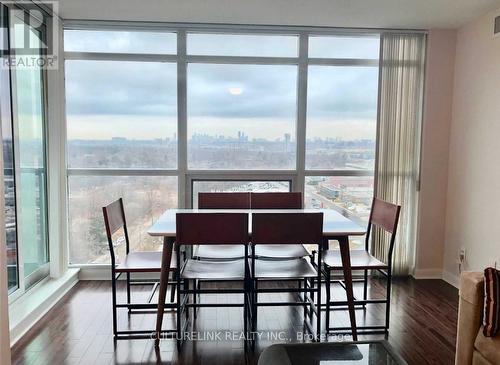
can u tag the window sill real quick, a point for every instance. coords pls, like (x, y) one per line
(28, 309)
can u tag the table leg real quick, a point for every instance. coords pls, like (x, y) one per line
(166, 258)
(346, 264)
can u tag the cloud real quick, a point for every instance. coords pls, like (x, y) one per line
(266, 91)
(342, 92)
(263, 91)
(120, 41)
(109, 87)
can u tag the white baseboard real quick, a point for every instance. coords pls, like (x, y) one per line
(94, 273)
(104, 273)
(428, 274)
(451, 279)
(31, 307)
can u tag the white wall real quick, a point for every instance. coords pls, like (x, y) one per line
(473, 199)
(435, 146)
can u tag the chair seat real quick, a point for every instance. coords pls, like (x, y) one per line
(360, 259)
(281, 251)
(284, 269)
(222, 252)
(217, 270)
(144, 261)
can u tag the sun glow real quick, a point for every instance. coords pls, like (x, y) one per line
(235, 90)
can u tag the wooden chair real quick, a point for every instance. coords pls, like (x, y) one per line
(222, 201)
(285, 200)
(278, 201)
(210, 229)
(384, 216)
(133, 262)
(285, 229)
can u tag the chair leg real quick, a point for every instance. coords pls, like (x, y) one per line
(311, 302)
(305, 299)
(255, 306)
(312, 286)
(365, 284)
(318, 304)
(113, 295)
(172, 292)
(178, 314)
(128, 292)
(388, 303)
(195, 297)
(245, 311)
(254, 309)
(328, 299)
(186, 287)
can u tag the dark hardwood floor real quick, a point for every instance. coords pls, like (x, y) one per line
(78, 329)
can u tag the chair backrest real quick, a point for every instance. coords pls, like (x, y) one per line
(212, 228)
(224, 200)
(276, 200)
(287, 228)
(385, 216)
(114, 219)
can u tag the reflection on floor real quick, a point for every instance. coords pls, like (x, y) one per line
(78, 330)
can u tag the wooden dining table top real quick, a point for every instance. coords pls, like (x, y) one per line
(334, 223)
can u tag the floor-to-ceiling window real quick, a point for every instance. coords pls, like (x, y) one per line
(23, 131)
(122, 135)
(158, 114)
(8, 163)
(342, 95)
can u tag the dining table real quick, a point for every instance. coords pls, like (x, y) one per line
(335, 227)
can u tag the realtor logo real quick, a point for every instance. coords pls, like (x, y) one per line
(29, 34)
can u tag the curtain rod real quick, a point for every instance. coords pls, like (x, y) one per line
(144, 26)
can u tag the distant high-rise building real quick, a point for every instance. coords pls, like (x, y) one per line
(288, 138)
(242, 137)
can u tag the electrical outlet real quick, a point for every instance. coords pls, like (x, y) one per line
(461, 255)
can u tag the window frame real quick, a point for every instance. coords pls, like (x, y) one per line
(25, 283)
(186, 176)
(235, 179)
(43, 270)
(8, 113)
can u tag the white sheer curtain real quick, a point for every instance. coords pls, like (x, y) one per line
(399, 131)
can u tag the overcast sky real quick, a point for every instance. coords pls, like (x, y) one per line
(138, 99)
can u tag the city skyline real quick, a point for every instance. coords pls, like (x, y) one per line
(196, 137)
(148, 128)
